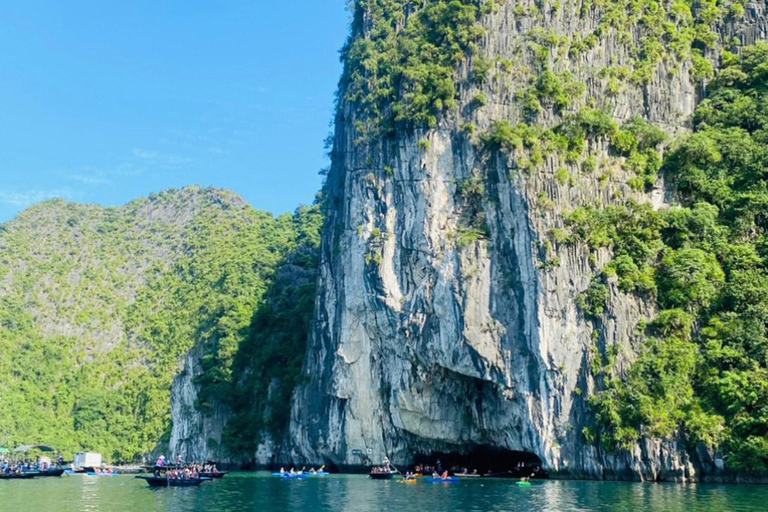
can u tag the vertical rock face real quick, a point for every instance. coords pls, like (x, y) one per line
(427, 342)
(196, 434)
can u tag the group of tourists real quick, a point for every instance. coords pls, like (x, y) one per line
(25, 466)
(186, 473)
(381, 469)
(293, 471)
(183, 471)
(10, 467)
(104, 470)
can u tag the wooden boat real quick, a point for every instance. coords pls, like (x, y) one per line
(153, 481)
(18, 476)
(382, 475)
(52, 472)
(220, 474)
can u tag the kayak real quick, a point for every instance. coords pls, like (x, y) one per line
(318, 473)
(523, 484)
(289, 476)
(408, 482)
(449, 480)
(101, 474)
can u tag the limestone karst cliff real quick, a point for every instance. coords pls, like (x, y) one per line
(543, 238)
(448, 314)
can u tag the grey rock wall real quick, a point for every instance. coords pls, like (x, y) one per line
(424, 344)
(196, 434)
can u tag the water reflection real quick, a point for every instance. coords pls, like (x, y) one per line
(261, 492)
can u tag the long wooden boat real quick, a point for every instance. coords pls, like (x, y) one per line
(18, 476)
(153, 481)
(220, 474)
(382, 475)
(52, 472)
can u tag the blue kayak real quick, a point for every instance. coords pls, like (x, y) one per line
(449, 480)
(101, 474)
(289, 476)
(318, 473)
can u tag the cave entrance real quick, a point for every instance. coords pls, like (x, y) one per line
(483, 461)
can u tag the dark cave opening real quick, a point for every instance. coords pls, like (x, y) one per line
(483, 461)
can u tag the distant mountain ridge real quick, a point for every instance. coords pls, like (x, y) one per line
(99, 306)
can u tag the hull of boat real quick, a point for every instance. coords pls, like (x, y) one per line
(164, 482)
(52, 472)
(20, 476)
(220, 474)
(381, 476)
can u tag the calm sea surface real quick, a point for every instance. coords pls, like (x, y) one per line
(262, 492)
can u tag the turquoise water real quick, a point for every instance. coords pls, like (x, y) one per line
(264, 493)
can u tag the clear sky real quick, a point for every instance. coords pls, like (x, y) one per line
(104, 102)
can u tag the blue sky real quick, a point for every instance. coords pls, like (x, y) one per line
(105, 102)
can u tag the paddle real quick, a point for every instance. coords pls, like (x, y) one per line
(397, 470)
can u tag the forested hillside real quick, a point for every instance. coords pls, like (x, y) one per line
(99, 305)
(703, 369)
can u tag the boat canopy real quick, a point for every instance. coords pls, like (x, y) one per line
(28, 447)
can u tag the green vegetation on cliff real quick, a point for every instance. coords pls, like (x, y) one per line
(401, 58)
(99, 305)
(268, 365)
(703, 369)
